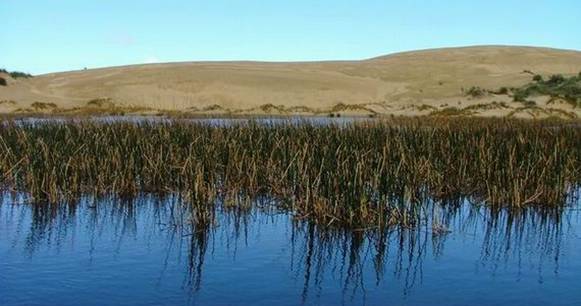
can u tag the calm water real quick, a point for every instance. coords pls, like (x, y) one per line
(146, 252)
(314, 120)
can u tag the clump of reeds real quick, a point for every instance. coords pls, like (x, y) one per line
(360, 174)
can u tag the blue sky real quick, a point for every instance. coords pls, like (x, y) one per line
(45, 36)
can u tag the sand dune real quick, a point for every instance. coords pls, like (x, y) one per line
(411, 83)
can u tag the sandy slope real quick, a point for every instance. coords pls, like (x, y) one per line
(406, 83)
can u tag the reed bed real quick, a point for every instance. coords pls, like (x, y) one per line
(362, 174)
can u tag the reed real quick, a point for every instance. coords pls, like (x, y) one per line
(363, 174)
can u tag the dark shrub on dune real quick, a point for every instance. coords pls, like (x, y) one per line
(556, 86)
(3, 82)
(18, 74)
(555, 79)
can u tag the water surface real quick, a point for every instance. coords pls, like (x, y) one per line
(218, 122)
(148, 252)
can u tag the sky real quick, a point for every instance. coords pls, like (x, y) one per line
(41, 36)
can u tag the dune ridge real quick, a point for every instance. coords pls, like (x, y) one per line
(426, 82)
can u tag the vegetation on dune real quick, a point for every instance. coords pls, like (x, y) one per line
(452, 111)
(487, 106)
(16, 74)
(556, 86)
(43, 105)
(3, 82)
(101, 102)
(502, 91)
(476, 92)
(363, 174)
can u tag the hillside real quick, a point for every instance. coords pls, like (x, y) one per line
(424, 82)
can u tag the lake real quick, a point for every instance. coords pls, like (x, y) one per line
(146, 251)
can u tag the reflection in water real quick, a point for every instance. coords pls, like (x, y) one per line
(319, 261)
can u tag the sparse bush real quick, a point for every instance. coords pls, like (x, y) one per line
(213, 107)
(502, 91)
(538, 78)
(520, 96)
(43, 105)
(557, 86)
(101, 102)
(555, 79)
(16, 74)
(425, 107)
(3, 82)
(476, 92)
(450, 111)
(486, 106)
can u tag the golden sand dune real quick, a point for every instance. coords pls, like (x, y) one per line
(411, 83)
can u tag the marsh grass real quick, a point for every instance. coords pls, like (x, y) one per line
(359, 175)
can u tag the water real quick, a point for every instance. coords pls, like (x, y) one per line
(314, 120)
(146, 252)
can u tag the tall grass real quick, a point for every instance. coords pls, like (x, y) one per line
(360, 174)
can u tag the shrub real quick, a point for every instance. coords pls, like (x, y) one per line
(18, 74)
(538, 78)
(3, 82)
(557, 86)
(43, 105)
(520, 96)
(555, 79)
(450, 111)
(476, 92)
(101, 102)
(502, 91)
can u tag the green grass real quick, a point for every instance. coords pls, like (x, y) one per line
(358, 175)
(556, 86)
